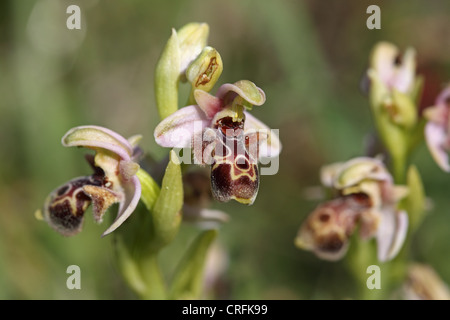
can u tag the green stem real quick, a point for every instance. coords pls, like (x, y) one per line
(399, 166)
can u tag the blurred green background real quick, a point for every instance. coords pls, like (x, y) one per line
(308, 57)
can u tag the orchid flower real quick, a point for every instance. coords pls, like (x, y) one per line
(114, 181)
(393, 83)
(437, 133)
(366, 196)
(221, 133)
(394, 71)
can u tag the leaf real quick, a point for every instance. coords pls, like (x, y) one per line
(188, 278)
(128, 266)
(167, 209)
(415, 202)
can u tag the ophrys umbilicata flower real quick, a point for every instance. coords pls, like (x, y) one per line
(113, 181)
(365, 196)
(221, 133)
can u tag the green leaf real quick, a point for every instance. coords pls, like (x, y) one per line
(167, 75)
(415, 202)
(167, 209)
(128, 266)
(188, 278)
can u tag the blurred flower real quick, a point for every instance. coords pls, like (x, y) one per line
(393, 83)
(221, 133)
(114, 181)
(394, 71)
(215, 285)
(437, 132)
(365, 195)
(423, 283)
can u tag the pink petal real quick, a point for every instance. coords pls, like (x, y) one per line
(406, 72)
(391, 233)
(132, 195)
(443, 97)
(98, 137)
(269, 148)
(436, 138)
(178, 129)
(400, 234)
(208, 103)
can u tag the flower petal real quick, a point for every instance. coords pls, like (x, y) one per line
(404, 78)
(391, 233)
(98, 137)
(329, 173)
(128, 169)
(444, 96)
(102, 198)
(208, 103)
(203, 217)
(178, 129)
(270, 147)
(132, 192)
(361, 168)
(382, 60)
(435, 137)
(244, 88)
(192, 39)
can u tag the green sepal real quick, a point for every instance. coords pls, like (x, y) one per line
(167, 76)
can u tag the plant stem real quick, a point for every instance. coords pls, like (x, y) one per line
(399, 166)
